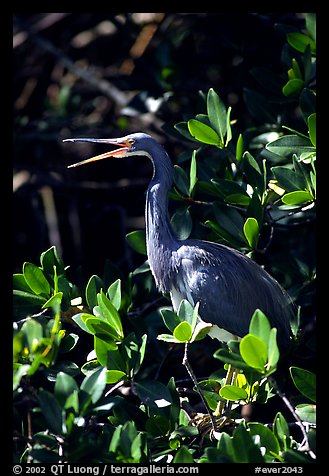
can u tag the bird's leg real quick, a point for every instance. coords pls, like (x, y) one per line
(194, 380)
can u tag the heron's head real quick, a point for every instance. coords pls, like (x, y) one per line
(132, 144)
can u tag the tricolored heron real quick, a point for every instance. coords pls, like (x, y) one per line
(228, 285)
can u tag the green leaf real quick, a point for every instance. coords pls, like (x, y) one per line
(306, 412)
(293, 87)
(36, 279)
(181, 180)
(80, 319)
(93, 287)
(114, 376)
(188, 313)
(108, 312)
(251, 231)
(228, 126)
(231, 358)
(288, 179)
(54, 301)
(51, 411)
(299, 42)
(94, 384)
(20, 284)
(311, 121)
(305, 381)
(183, 332)
(170, 319)
(102, 330)
(252, 171)
(259, 326)
(182, 128)
(310, 21)
(183, 456)
(157, 425)
(299, 197)
(203, 133)
(281, 430)
(104, 350)
(153, 394)
(68, 343)
(239, 148)
(65, 385)
(273, 350)
(33, 333)
(182, 223)
(114, 293)
(254, 351)
(285, 146)
(267, 438)
(137, 240)
(49, 259)
(193, 176)
(233, 393)
(217, 114)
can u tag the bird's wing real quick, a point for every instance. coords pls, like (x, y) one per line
(229, 287)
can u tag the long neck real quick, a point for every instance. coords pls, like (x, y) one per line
(160, 240)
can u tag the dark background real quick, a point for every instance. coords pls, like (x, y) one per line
(106, 75)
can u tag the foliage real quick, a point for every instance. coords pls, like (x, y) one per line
(85, 354)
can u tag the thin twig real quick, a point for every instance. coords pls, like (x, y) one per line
(286, 401)
(194, 380)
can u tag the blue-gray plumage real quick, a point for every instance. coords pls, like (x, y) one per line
(228, 285)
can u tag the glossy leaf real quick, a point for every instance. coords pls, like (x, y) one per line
(193, 174)
(182, 223)
(114, 293)
(153, 394)
(273, 350)
(183, 456)
(293, 87)
(203, 133)
(311, 121)
(93, 287)
(305, 381)
(267, 438)
(65, 385)
(80, 319)
(239, 148)
(306, 412)
(51, 411)
(298, 197)
(259, 326)
(114, 376)
(54, 301)
(181, 180)
(170, 319)
(289, 179)
(102, 329)
(233, 393)
(254, 351)
(251, 231)
(137, 240)
(285, 146)
(299, 41)
(183, 332)
(94, 384)
(217, 114)
(109, 313)
(35, 278)
(33, 333)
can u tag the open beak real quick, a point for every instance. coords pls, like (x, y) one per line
(125, 145)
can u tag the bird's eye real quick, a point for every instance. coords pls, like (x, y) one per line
(130, 142)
